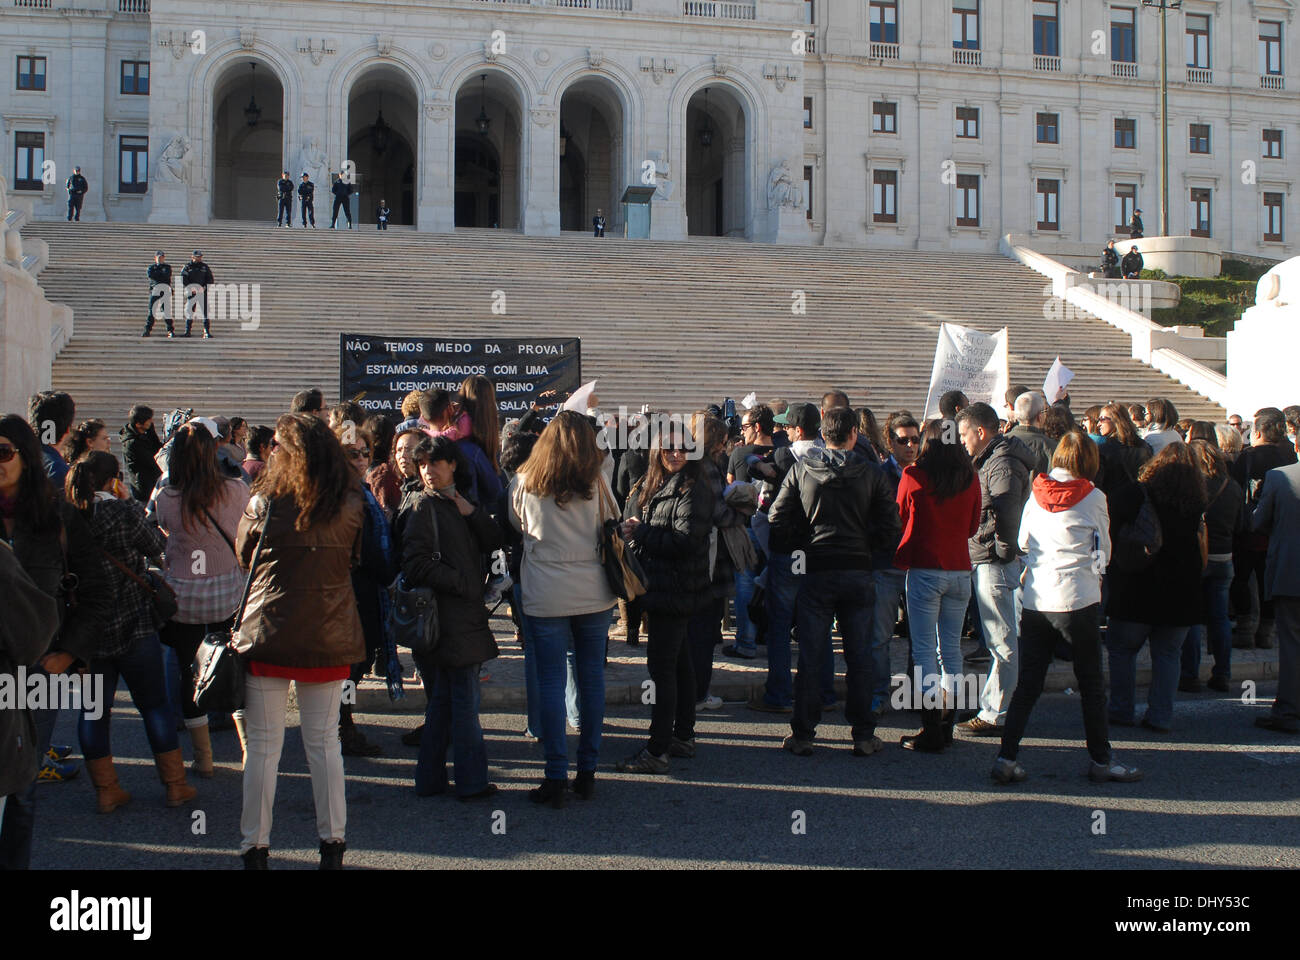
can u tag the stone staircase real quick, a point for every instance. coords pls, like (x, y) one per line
(676, 325)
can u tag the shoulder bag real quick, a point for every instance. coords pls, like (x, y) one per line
(218, 668)
(162, 598)
(622, 569)
(413, 611)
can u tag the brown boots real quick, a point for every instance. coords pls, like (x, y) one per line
(202, 742)
(171, 771)
(109, 795)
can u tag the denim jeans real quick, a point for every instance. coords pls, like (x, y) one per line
(782, 589)
(1124, 639)
(1040, 632)
(849, 597)
(890, 586)
(668, 659)
(996, 586)
(451, 718)
(1214, 592)
(936, 609)
(746, 631)
(531, 692)
(184, 639)
(142, 669)
(556, 640)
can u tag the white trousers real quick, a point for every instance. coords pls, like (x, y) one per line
(266, 705)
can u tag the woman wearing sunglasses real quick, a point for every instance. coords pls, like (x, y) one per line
(1123, 451)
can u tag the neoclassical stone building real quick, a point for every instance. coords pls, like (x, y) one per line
(932, 124)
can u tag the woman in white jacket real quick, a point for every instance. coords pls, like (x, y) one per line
(1065, 534)
(557, 501)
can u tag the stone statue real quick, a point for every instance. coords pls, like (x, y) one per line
(1280, 287)
(172, 167)
(781, 190)
(11, 244)
(311, 161)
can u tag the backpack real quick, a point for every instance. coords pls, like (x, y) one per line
(1135, 543)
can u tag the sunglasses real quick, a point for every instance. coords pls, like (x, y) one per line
(909, 441)
(7, 452)
(359, 454)
(1105, 420)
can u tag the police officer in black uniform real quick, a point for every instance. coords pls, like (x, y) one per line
(160, 282)
(382, 212)
(1135, 226)
(341, 190)
(198, 273)
(284, 191)
(1132, 264)
(307, 197)
(77, 187)
(598, 223)
(1110, 262)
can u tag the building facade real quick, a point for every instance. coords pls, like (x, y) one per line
(924, 124)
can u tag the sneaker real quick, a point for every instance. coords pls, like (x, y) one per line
(146, 334)
(709, 703)
(59, 751)
(643, 761)
(979, 727)
(762, 706)
(682, 748)
(57, 772)
(1008, 771)
(736, 653)
(1190, 685)
(1113, 770)
(865, 748)
(800, 748)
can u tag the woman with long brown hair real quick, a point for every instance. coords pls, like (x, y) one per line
(300, 624)
(87, 437)
(199, 510)
(669, 514)
(558, 501)
(1122, 449)
(479, 400)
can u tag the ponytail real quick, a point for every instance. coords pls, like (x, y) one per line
(87, 476)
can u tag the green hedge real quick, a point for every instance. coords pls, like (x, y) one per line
(1213, 304)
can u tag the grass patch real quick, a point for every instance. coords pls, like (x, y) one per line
(1213, 304)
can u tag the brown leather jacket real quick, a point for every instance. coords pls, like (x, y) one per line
(301, 611)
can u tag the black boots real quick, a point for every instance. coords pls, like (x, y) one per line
(931, 738)
(331, 854)
(353, 740)
(584, 784)
(554, 792)
(255, 858)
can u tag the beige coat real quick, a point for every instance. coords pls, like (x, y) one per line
(561, 569)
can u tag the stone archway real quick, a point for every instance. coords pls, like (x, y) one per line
(248, 140)
(717, 163)
(488, 152)
(592, 167)
(383, 131)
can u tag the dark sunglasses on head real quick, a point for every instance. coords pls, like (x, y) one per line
(7, 452)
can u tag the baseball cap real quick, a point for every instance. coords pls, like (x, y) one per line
(197, 253)
(803, 415)
(159, 253)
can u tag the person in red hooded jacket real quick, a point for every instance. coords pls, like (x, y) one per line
(1065, 534)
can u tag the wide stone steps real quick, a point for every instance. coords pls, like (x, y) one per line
(677, 325)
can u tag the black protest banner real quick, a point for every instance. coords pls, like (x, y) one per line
(378, 372)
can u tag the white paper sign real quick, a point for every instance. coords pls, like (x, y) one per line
(578, 402)
(974, 363)
(1058, 378)
(750, 401)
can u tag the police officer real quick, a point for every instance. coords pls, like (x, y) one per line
(1135, 227)
(77, 187)
(198, 273)
(381, 215)
(1132, 264)
(598, 223)
(307, 196)
(284, 191)
(341, 190)
(1110, 261)
(160, 282)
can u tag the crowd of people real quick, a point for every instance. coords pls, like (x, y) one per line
(1044, 533)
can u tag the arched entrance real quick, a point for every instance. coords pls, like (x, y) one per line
(489, 136)
(591, 153)
(717, 164)
(383, 128)
(248, 141)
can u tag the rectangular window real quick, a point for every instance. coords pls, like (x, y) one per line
(1270, 47)
(1123, 34)
(968, 123)
(1200, 212)
(1198, 40)
(808, 191)
(1126, 197)
(884, 196)
(135, 77)
(1125, 133)
(968, 200)
(1198, 135)
(1273, 217)
(807, 113)
(133, 164)
(966, 24)
(1047, 28)
(29, 158)
(1049, 128)
(1273, 144)
(884, 21)
(884, 117)
(31, 73)
(809, 14)
(1046, 202)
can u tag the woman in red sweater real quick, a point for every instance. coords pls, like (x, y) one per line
(939, 504)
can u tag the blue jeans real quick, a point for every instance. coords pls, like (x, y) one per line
(142, 669)
(997, 592)
(849, 597)
(451, 718)
(746, 631)
(1214, 589)
(531, 691)
(555, 642)
(1124, 639)
(782, 589)
(890, 586)
(936, 609)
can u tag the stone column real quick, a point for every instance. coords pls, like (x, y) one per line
(933, 200)
(81, 139)
(435, 205)
(540, 215)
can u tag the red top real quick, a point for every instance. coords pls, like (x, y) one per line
(935, 532)
(302, 674)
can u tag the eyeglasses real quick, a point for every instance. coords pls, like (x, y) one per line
(908, 441)
(746, 426)
(1105, 420)
(359, 453)
(7, 453)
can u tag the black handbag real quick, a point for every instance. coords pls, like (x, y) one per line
(413, 611)
(219, 670)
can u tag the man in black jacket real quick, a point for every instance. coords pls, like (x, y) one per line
(342, 190)
(1110, 262)
(196, 273)
(76, 186)
(140, 444)
(160, 283)
(284, 196)
(1132, 264)
(838, 507)
(1135, 227)
(307, 197)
